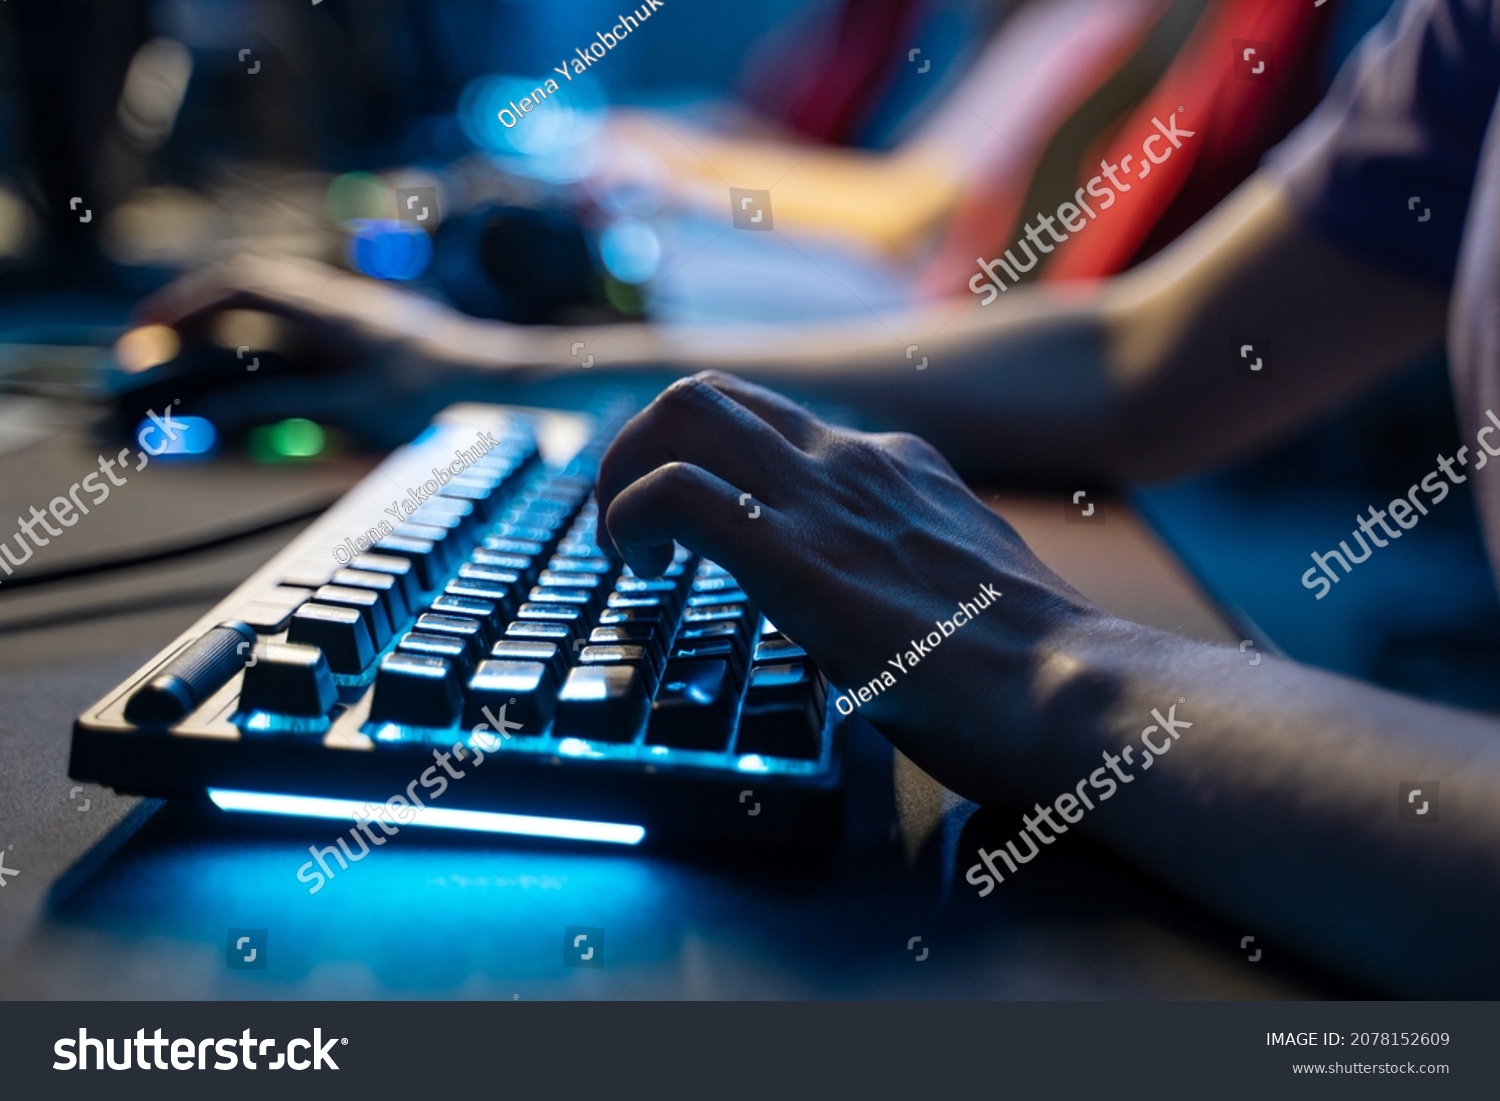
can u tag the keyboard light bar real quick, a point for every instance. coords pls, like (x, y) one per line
(527, 825)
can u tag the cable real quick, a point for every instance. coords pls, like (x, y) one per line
(107, 565)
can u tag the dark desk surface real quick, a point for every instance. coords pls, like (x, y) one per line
(127, 898)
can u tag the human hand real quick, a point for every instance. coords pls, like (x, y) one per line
(862, 544)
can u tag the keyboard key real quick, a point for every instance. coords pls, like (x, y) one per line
(737, 614)
(637, 656)
(383, 585)
(519, 564)
(416, 691)
(289, 679)
(503, 597)
(485, 611)
(523, 688)
(575, 598)
(715, 600)
(396, 567)
(490, 575)
(655, 614)
(560, 634)
(549, 654)
(445, 550)
(368, 604)
(694, 707)
(523, 547)
(308, 575)
(425, 562)
(267, 619)
(605, 703)
(340, 632)
(573, 618)
(631, 634)
(469, 631)
(714, 649)
(450, 648)
(777, 650)
(783, 712)
(603, 567)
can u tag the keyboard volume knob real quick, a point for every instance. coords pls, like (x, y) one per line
(199, 670)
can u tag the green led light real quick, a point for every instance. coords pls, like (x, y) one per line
(296, 438)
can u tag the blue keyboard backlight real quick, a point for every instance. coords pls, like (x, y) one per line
(527, 825)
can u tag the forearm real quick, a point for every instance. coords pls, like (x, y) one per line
(1279, 804)
(1133, 378)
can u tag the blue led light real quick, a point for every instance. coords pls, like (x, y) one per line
(752, 762)
(196, 437)
(389, 250)
(631, 251)
(527, 825)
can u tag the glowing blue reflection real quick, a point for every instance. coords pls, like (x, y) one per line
(752, 762)
(196, 436)
(308, 806)
(553, 136)
(631, 251)
(389, 250)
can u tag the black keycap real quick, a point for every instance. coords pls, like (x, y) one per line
(451, 648)
(776, 650)
(193, 674)
(486, 611)
(513, 692)
(631, 634)
(637, 656)
(445, 549)
(575, 598)
(368, 604)
(425, 562)
(716, 600)
(519, 564)
(573, 618)
(382, 584)
(340, 632)
(526, 548)
(561, 634)
(463, 512)
(603, 567)
(480, 494)
(308, 575)
(416, 691)
(783, 712)
(694, 706)
(710, 649)
(541, 536)
(655, 614)
(470, 631)
(267, 619)
(567, 579)
(288, 679)
(606, 703)
(549, 654)
(737, 614)
(490, 575)
(502, 596)
(396, 567)
(665, 587)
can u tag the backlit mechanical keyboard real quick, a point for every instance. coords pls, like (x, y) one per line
(457, 591)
